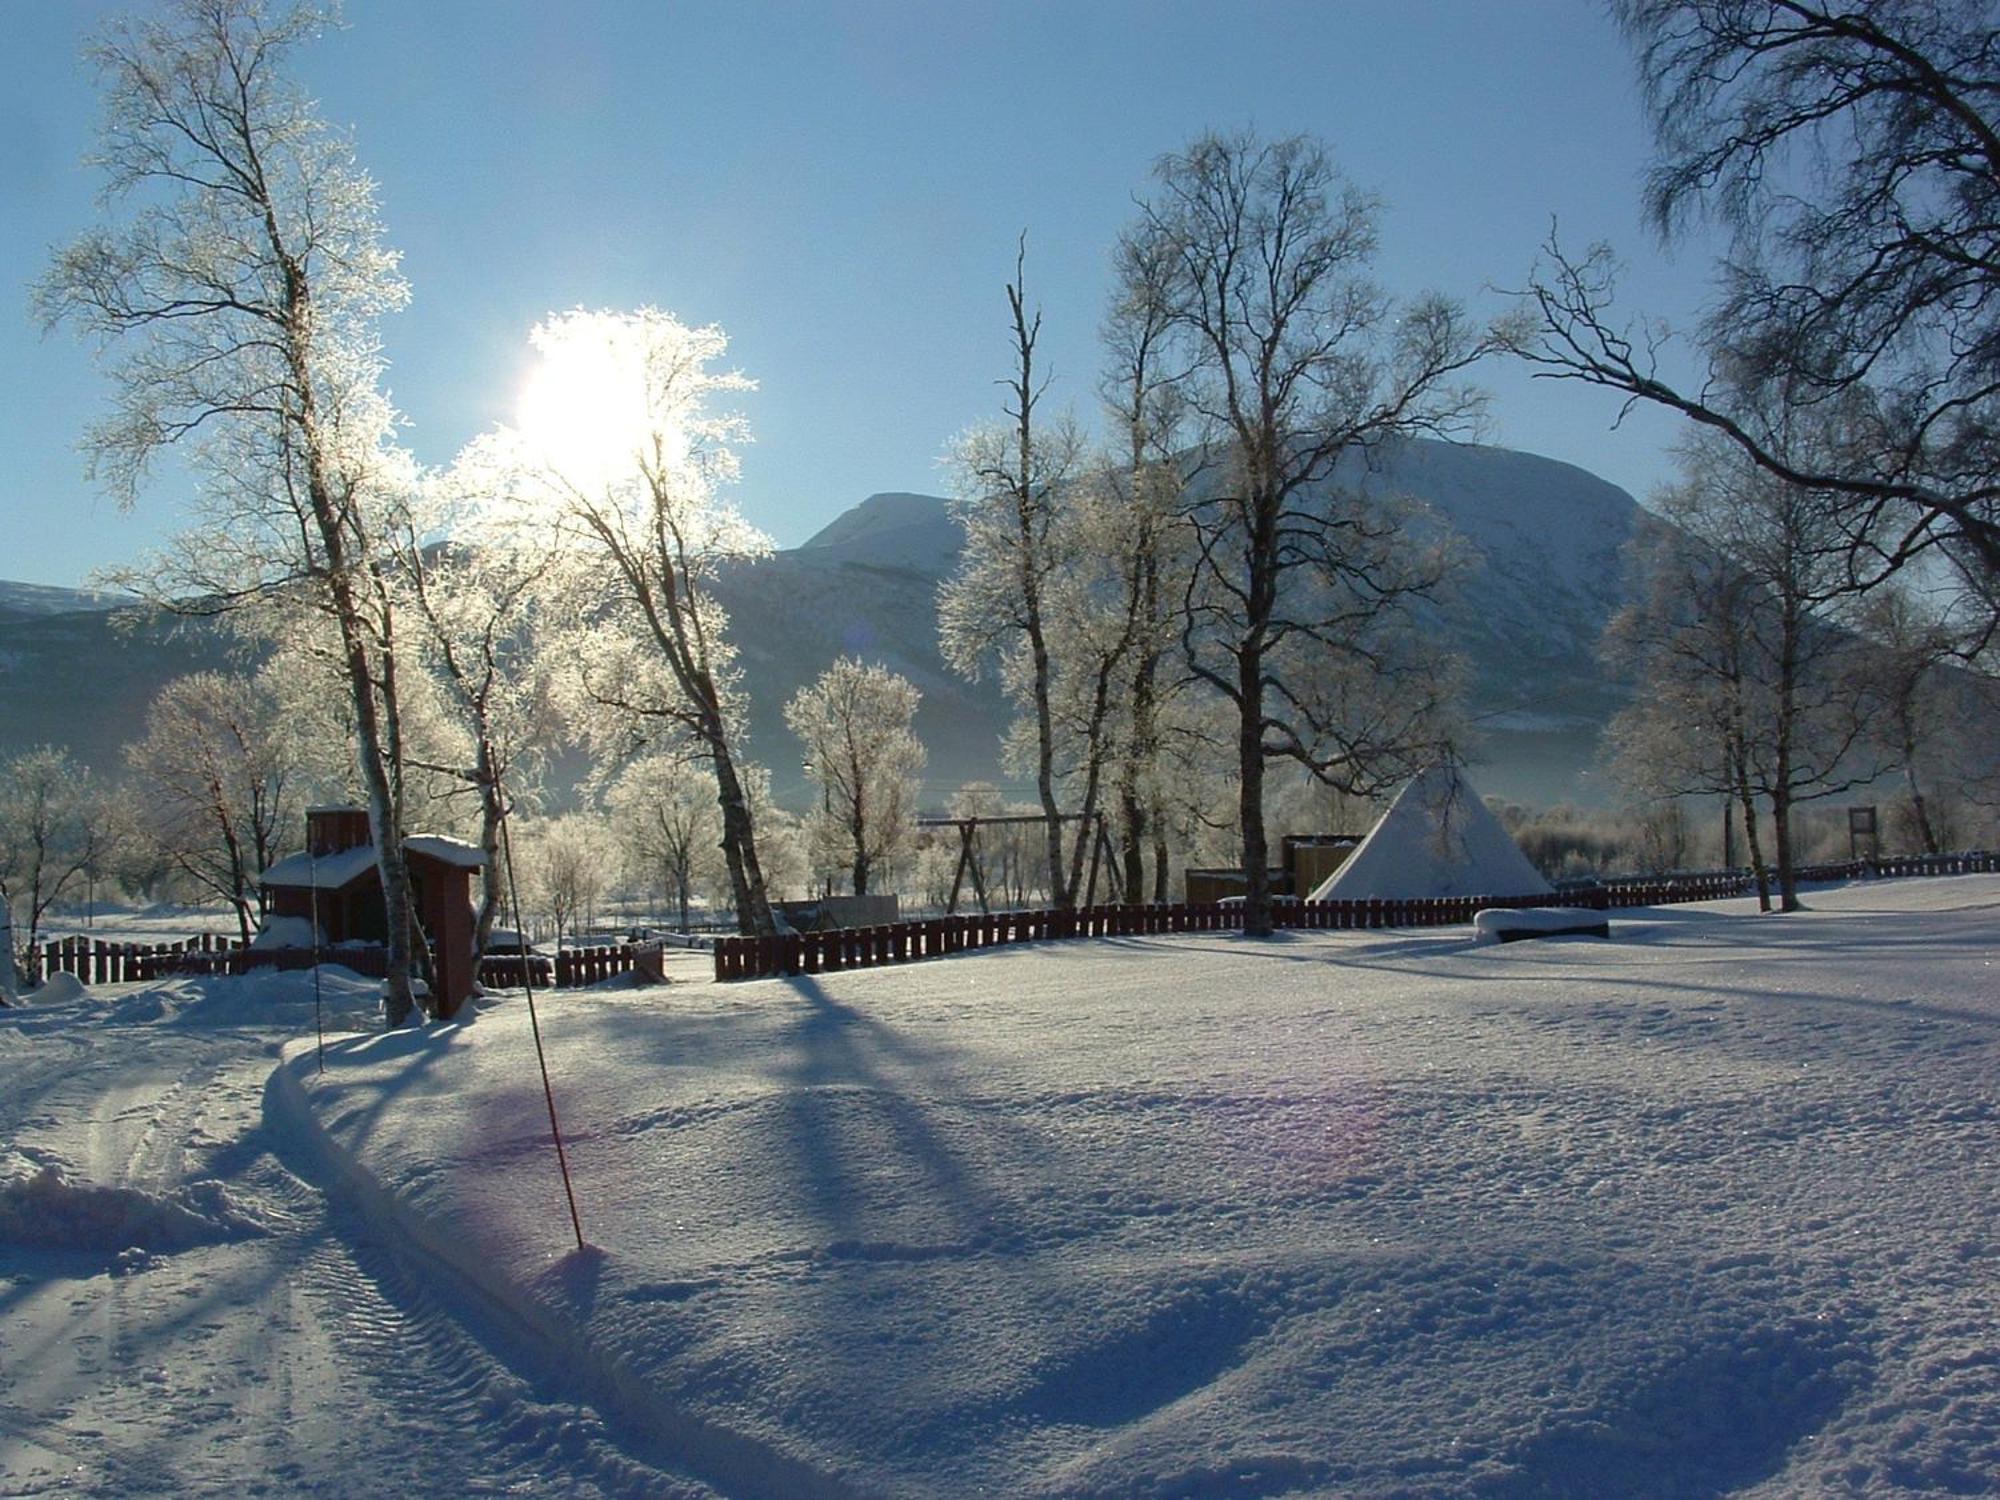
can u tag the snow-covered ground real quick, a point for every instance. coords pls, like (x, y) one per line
(118, 922)
(1707, 1208)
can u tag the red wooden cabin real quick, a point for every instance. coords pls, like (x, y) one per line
(335, 881)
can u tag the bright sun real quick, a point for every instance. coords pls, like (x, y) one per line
(582, 409)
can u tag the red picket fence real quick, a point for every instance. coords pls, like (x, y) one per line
(97, 962)
(580, 966)
(571, 967)
(933, 937)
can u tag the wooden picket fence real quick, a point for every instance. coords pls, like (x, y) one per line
(934, 937)
(571, 967)
(96, 962)
(580, 966)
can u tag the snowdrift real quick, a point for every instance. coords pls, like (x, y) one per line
(1704, 1211)
(41, 1205)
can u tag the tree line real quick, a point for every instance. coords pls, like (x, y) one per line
(1207, 596)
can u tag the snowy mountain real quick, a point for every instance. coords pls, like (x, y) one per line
(45, 599)
(1542, 538)
(1543, 575)
(82, 678)
(897, 529)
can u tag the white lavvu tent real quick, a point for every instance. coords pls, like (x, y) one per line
(1437, 839)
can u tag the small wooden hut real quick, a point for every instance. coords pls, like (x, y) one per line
(335, 880)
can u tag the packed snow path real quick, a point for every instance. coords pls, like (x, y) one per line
(184, 1311)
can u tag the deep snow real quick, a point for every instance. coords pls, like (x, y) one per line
(1708, 1208)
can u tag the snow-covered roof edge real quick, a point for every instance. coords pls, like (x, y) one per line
(329, 872)
(446, 850)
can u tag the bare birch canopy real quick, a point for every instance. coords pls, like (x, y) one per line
(616, 469)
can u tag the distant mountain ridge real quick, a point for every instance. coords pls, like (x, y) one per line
(1543, 539)
(893, 527)
(48, 599)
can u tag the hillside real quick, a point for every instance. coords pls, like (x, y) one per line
(83, 678)
(43, 599)
(1543, 539)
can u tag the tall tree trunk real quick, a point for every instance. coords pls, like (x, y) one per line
(1747, 807)
(739, 842)
(858, 829)
(1131, 835)
(1045, 760)
(1790, 639)
(385, 821)
(1781, 833)
(1257, 920)
(382, 781)
(1925, 831)
(1141, 749)
(492, 886)
(1260, 604)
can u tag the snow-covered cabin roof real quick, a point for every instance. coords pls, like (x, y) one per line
(329, 872)
(447, 851)
(332, 872)
(1436, 840)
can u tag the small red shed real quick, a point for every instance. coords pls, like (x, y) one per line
(335, 878)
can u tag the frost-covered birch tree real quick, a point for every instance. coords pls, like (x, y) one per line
(565, 864)
(1095, 603)
(1007, 485)
(49, 838)
(472, 614)
(1151, 541)
(663, 811)
(618, 467)
(854, 723)
(1742, 623)
(1287, 357)
(1685, 641)
(235, 291)
(218, 796)
(1935, 721)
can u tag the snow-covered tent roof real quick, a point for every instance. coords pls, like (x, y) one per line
(1437, 839)
(333, 872)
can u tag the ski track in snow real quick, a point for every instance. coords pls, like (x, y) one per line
(1709, 1209)
(286, 1349)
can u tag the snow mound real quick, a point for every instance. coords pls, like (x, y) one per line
(1436, 840)
(265, 999)
(41, 1205)
(57, 989)
(1705, 1213)
(285, 932)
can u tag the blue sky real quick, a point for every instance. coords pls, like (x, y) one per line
(840, 187)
